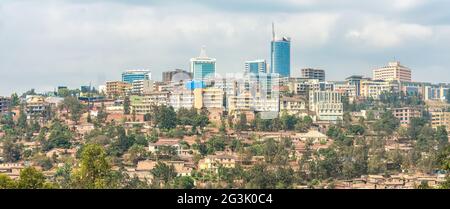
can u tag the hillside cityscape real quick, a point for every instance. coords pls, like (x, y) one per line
(261, 128)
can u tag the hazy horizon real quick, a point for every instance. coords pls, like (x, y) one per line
(72, 43)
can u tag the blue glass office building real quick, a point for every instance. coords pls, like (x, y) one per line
(135, 75)
(281, 57)
(203, 67)
(256, 66)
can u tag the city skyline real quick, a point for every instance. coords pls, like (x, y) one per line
(75, 43)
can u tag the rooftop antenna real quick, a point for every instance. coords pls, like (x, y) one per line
(273, 31)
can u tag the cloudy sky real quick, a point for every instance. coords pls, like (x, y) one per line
(47, 43)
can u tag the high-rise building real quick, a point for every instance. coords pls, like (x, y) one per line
(176, 76)
(256, 66)
(310, 73)
(393, 72)
(280, 55)
(134, 75)
(203, 67)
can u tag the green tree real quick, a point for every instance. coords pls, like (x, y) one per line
(6, 182)
(242, 124)
(15, 100)
(60, 137)
(30, 178)
(388, 123)
(415, 127)
(22, 121)
(184, 182)
(12, 152)
(94, 167)
(288, 121)
(166, 117)
(441, 136)
(126, 106)
(163, 172)
(74, 107)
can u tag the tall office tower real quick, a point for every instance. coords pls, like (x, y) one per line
(256, 66)
(280, 55)
(393, 72)
(176, 76)
(134, 75)
(311, 73)
(203, 67)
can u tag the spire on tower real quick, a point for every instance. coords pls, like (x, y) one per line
(273, 31)
(203, 52)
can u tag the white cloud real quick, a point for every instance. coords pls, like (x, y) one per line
(385, 34)
(407, 4)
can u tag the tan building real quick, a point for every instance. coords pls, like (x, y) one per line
(405, 114)
(296, 105)
(117, 88)
(393, 72)
(440, 118)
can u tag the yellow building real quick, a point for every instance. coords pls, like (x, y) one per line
(440, 118)
(117, 88)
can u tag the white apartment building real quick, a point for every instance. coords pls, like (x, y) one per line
(145, 103)
(327, 105)
(181, 99)
(141, 87)
(374, 88)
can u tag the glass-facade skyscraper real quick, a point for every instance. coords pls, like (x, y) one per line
(203, 67)
(281, 56)
(135, 75)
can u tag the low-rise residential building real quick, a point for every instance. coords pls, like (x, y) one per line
(213, 162)
(173, 143)
(36, 106)
(11, 169)
(405, 114)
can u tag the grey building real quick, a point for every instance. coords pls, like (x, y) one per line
(176, 75)
(4, 104)
(311, 73)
